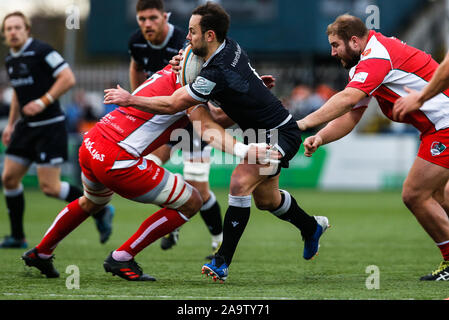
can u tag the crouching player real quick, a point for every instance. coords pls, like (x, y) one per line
(112, 161)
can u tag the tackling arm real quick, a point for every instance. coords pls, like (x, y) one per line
(211, 131)
(217, 137)
(334, 130)
(335, 107)
(180, 100)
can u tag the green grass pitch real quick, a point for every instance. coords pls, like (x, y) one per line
(368, 228)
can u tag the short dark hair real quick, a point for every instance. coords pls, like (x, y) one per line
(215, 18)
(17, 14)
(150, 4)
(347, 26)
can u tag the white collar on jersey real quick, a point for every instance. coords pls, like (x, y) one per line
(221, 47)
(171, 29)
(16, 54)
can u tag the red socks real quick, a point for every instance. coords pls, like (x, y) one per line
(156, 226)
(444, 248)
(66, 221)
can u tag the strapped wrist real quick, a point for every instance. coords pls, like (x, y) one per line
(240, 149)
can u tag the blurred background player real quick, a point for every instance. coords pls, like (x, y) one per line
(380, 67)
(36, 130)
(151, 47)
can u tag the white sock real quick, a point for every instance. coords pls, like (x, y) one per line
(65, 189)
(44, 256)
(121, 256)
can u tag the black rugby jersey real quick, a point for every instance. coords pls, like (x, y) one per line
(32, 72)
(153, 58)
(228, 80)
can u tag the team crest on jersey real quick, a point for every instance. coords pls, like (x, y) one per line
(366, 52)
(437, 148)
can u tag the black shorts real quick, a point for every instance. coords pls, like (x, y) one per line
(285, 139)
(194, 146)
(46, 144)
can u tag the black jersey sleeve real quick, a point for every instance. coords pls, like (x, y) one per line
(210, 81)
(52, 59)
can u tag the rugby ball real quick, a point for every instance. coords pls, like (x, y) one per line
(191, 66)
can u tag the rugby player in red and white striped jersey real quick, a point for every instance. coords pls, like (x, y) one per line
(380, 67)
(112, 161)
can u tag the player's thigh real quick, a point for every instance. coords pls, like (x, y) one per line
(266, 195)
(13, 171)
(424, 179)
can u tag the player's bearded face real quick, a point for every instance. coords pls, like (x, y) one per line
(350, 57)
(201, 47)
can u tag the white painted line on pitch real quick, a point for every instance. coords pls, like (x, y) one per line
(53, 295)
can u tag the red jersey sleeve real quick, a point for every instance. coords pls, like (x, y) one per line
(369, 74)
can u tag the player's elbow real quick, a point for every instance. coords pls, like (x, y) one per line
(69, 78)
(350, 97)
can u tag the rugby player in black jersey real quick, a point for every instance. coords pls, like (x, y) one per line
(151, 47)
(36, 129)
(228, 79)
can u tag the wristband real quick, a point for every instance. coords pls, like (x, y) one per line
(240, 150)
(40, 102)
(45, 100)
(50, 97)
(302, 125)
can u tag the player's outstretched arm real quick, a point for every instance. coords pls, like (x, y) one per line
(335, 107)
(218, 138)
(334, 130)
(415, 99)
(180, 100)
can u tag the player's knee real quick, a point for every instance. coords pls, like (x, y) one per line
(411, 196)
(89, 206)
(239, 185)
(49, 189)
(191, 207)
(10, 181)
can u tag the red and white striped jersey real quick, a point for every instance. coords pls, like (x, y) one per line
(386, 66)
(139, 132)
